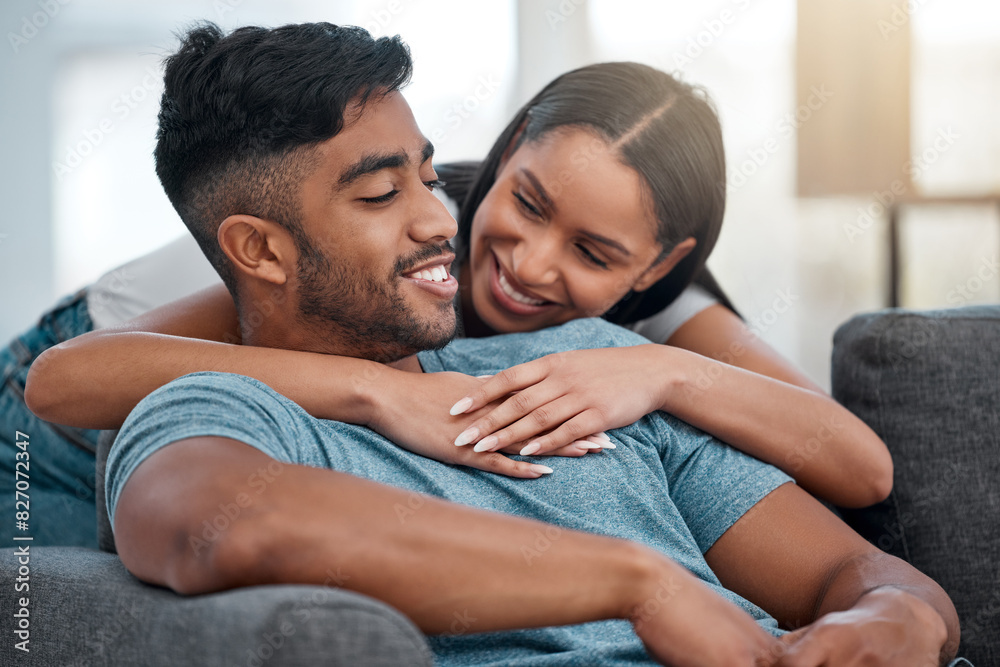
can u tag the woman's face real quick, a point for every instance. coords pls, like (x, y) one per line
(565, 232)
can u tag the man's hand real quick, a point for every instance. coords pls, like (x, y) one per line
(887, 627)
(683, 623)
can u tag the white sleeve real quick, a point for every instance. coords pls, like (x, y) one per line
(661, 326)
(175, 270)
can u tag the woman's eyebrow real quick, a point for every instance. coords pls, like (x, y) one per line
(537, 185)
(549, 204)
(606, 241)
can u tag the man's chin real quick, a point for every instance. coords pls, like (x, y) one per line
(432, 336)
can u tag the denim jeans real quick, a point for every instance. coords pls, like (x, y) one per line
(57, 471)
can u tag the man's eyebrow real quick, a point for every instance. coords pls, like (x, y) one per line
(547, 201)
(369, 164)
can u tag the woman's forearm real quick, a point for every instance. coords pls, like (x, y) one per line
(95, 380)
(830, 452)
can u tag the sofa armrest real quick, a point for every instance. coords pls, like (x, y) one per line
(84, 608)
(928, 383)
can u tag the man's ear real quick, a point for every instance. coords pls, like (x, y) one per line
(653, 274)
(258, 248)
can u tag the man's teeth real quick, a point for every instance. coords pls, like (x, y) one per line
(514, 294)
(437, 274)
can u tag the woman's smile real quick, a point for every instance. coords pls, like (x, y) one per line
(511, 296)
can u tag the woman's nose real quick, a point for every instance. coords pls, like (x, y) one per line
(535, 261)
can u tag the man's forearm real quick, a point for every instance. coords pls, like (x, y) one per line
(869, 575)
(436, 561)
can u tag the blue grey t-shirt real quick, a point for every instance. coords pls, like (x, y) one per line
(667, 485)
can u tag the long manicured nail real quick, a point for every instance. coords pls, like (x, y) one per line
(603, 436)
(586, 444)
(545, 470)
(461, 407)
(609, 445)
(486, 444)
(531, 449)
(467, 436)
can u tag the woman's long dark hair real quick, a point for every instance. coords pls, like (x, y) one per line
(665, 129)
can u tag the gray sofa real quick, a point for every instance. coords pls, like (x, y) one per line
(928, 383)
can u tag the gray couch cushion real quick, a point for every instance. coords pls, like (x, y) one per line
(105, 536)
(86, 609)
(929, 384)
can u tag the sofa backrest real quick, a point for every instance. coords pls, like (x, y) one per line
(929, 384)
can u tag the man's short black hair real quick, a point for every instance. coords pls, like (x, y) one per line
(240, 111)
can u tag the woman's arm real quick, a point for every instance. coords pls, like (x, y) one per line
(95, 380)
(727, 383)
(197, 333)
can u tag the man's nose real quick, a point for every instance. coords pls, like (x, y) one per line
(431, 220)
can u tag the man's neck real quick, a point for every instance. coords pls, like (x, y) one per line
(301, 338)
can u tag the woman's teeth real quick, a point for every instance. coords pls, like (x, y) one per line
(515, 295)
(437, 274)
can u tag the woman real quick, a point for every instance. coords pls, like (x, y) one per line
(603, 196)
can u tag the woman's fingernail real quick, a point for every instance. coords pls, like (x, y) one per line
(609, 445)
(586, 444)
(531, 449)
(467, 436)
(603, 436)
(486, 444)
(545, 470)
(461, 407)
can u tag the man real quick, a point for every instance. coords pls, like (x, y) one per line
(298, 167)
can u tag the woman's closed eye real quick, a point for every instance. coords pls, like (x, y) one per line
(591, 257)
(527, 206)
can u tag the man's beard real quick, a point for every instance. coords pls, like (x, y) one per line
(370, 316)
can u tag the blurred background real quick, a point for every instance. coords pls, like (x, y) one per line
(862, 136)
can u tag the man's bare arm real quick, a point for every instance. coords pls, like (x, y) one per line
(799, 562)
(433, 560)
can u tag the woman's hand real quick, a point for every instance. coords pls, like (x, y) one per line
(411, 409)
(563, 398)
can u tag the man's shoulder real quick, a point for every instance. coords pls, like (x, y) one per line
(228, 394)
(474, 355)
